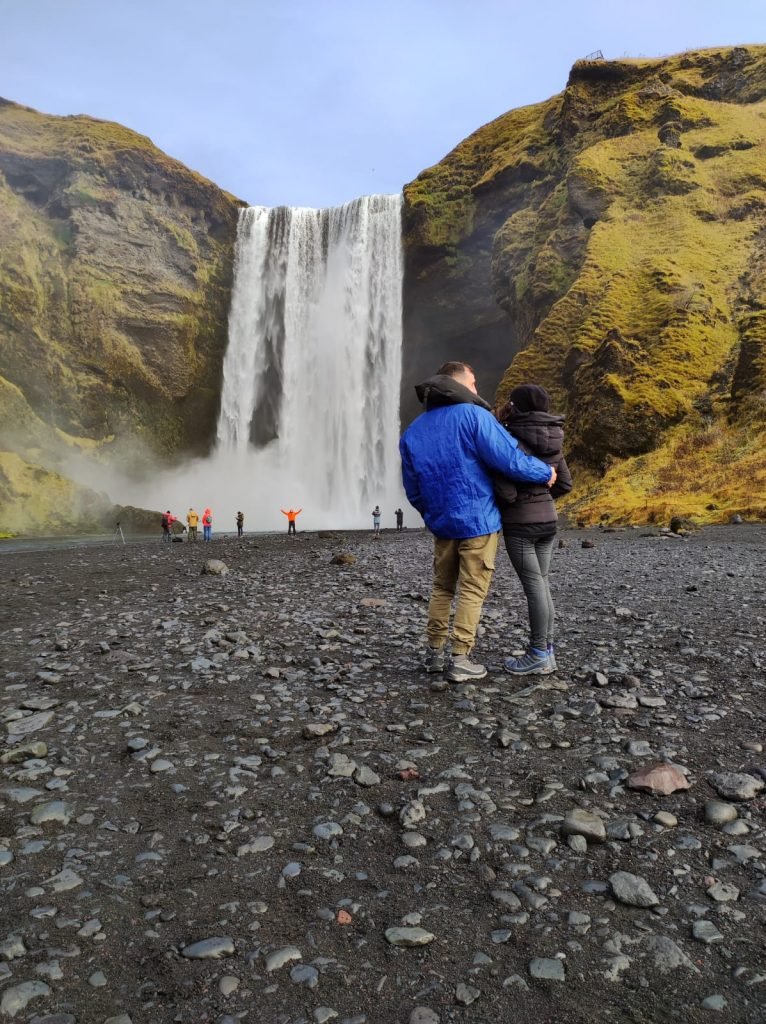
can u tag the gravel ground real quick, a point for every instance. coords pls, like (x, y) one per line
(238, 798)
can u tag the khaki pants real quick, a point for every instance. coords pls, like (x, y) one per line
(465, 565)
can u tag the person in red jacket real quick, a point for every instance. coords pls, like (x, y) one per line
(292, 514)
(207, 524)
(167, 525)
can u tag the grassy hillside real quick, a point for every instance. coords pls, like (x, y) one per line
(115, 277)
(621, 229)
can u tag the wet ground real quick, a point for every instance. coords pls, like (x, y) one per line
(255, 762)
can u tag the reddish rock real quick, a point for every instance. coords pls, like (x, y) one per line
(659, 778)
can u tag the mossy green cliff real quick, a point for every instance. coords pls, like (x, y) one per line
(115, 278)
(610, 243)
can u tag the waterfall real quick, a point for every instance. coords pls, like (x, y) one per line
(311, 375)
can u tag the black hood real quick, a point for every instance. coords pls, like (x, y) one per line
(541, 432)
(443, 390)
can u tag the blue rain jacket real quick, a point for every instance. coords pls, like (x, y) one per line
(448, 455)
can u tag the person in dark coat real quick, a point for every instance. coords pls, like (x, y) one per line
(529, 517)
(449, 454)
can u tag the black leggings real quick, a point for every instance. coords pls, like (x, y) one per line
(531, 558)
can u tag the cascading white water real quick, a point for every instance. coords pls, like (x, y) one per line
(311, 376)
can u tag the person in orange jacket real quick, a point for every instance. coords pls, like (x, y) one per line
(207, 524)
(292, 514)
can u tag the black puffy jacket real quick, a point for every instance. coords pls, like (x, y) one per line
(529, 509)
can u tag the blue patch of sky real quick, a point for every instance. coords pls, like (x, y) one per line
(313, 102)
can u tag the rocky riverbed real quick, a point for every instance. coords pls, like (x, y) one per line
(236, 797)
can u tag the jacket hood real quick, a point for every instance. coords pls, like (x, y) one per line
(541, 432)
(443, 390)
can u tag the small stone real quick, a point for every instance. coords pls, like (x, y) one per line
(214, 567)
(324, 1013)
(424, 1015)
(341, 766)
(24, 753)
(364, 776)
(719, 813)
(280, 957)
(304, 974)
(327, 830)
(259, 844)
(316, 729)
(343, 558)
(228, 984)
(97, 979)
(52, 810)
(736, 786)
(578, 822)
(412, 813)
(15, 999)
(632, 890)
(723, 892)
(209, 949)
(716, 1002)
(667, 955)
(666, 819)
(409, 937)
(547, 969)
(22, 727)
(466, 994)
(659, 778)
(12, 948)
(65, 880)
(706, 931)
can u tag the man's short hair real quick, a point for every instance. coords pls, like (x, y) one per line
(455, 369)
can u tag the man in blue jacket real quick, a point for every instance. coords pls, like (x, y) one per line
(449, 454)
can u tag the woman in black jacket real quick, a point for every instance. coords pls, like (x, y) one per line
(530, 517)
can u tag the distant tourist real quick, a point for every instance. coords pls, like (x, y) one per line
(529, 518)
(448, 456)
(207, 525)
(399, 520)
(240, 523)
(292, 514)
(192, 522)
(167, 525)
(376, 520)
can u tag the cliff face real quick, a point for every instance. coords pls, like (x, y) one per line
(115, 276)
(610, 244)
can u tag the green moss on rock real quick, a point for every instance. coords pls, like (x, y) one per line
(624, 223)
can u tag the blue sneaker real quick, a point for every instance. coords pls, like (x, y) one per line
(533, 663)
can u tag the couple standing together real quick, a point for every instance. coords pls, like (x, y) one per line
(471, 475)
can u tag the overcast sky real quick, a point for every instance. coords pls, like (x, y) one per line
(314, 102)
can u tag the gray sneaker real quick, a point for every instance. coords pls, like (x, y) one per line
(463, 670)
(533, 663)
(436, 659)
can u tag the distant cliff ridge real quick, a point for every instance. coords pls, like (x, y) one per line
(610, 243)
(115, 276)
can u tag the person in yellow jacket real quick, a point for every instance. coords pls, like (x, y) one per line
(192, 522)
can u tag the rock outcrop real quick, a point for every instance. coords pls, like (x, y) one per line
(610, 243)
(115, 278)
